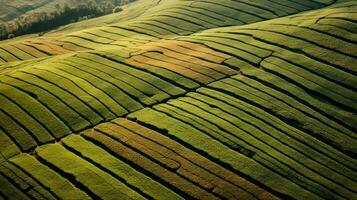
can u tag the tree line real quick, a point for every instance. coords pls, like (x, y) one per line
(40, 22)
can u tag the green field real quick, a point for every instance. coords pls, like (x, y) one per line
(184, 99)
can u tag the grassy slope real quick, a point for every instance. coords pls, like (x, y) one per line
(10, 10)
(205, 99)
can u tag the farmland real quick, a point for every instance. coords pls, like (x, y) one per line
(184, 99)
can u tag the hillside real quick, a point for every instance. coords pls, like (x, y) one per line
(20, 17)
(184, 99)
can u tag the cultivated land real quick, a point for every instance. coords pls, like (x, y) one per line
(12, 9)
(183, 99)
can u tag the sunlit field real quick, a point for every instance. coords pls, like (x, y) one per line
(183, 99)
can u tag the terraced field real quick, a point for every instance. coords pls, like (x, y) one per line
(184, 99)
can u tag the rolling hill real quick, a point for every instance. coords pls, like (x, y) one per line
(20, 17)
(184, 99)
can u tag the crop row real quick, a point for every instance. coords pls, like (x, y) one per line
(323, 89)
(129, 160)
(167, 20)
(69, 93)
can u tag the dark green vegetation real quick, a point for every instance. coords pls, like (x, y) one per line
(206, 99)
(20, 17)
